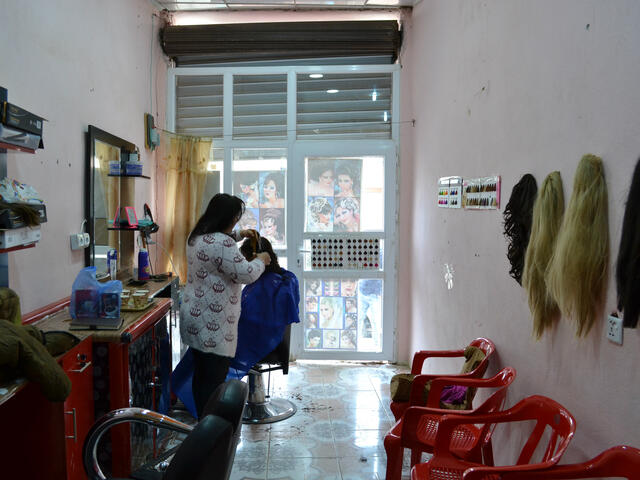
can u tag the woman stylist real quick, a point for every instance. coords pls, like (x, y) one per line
(211, 300)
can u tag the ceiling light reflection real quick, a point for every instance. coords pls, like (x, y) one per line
(316, 75)
(332, 90)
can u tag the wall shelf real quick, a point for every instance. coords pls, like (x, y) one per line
(17, 247)
(133, 229)
(130, 176)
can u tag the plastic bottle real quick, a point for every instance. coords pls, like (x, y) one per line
(112, 263)
(143, 264)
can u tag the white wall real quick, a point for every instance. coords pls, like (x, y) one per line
(509, 87)
(76, 63)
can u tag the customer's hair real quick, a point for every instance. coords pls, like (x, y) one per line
(546, 220)
(628, 264)
(250, 247)
(517, 223)
(223, 210)
(577, 274)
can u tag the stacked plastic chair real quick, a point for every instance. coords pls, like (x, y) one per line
(418, 426)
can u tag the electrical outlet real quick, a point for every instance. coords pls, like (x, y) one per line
(614, 329)
(79, 240)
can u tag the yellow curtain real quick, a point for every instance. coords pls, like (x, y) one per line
(183, 164)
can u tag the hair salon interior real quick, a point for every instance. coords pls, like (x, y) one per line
(451, 177)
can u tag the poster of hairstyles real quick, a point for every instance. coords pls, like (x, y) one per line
(333, 195)
(264, 196)
(350, 309)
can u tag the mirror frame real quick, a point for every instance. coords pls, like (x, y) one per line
(93, 134)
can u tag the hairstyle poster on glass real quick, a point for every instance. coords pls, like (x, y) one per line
(333, 195)
(264, 196)
(343, 314)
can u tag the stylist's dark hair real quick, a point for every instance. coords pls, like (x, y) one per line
(223, 211)
(628, 265)
(264, 246)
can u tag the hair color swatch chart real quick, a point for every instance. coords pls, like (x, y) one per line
(450, 192)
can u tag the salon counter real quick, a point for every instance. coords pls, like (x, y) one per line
(109, 369)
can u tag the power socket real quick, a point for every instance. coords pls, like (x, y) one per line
(79, 240)
(614, 329)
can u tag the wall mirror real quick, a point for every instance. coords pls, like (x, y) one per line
(104, 193)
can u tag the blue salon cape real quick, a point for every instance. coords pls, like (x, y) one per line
(268, 306)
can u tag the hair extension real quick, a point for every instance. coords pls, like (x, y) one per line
(517, 223)
(545, 224)
(577, 274)
(628, 264)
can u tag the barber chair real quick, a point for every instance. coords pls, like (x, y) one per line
(207, 452)
(260, 407)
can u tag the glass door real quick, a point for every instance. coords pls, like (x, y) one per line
(344, 254)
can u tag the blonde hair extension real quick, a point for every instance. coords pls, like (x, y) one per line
(547, 217)
(577, 274)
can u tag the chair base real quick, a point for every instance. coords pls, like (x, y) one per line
(274, 410)
(260, 408)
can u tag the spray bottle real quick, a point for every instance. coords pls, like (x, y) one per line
(143, 264)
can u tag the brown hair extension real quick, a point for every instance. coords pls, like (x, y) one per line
(517, 223)
(547, 217)
(628, 265)
(577, 274)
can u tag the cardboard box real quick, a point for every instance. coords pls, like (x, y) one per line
(19, 236)
(17, 117)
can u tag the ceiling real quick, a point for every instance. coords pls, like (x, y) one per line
(222, 5)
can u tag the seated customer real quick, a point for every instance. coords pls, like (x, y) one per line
(268, 306)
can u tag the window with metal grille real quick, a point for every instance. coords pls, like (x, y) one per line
(199, 101)
(339, 106)
(260, 106)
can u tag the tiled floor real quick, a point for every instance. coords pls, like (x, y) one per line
(337, 432)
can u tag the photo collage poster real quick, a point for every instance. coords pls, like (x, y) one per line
(263, 193)
(333, 195)
(342, 314)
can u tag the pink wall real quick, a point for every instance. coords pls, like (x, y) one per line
(75, 62)
(509, 87)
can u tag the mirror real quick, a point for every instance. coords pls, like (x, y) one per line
(104, 193)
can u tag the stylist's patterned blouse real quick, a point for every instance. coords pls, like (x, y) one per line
(210, 306)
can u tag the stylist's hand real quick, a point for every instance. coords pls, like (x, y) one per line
(249, 233)
(264, 256)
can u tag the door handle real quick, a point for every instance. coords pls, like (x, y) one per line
(84, 367)
(74, 436)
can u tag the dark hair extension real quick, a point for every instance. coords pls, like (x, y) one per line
(517, 223)
(628, 265)
(223, 211)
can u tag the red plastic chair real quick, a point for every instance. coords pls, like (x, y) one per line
(417, 386)
(545, 412)
(620, 461)
(418, 426)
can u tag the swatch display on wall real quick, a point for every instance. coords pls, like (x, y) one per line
(450, 192)
(263, 193)
(343, 314)
(481, 193)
